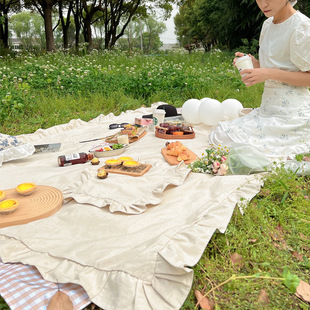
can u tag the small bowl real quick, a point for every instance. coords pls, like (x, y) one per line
(245, 111)
(8, 206)
(109, 153)
(25, 188)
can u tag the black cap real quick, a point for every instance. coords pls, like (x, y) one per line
(170, 111)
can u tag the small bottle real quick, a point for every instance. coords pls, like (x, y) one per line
(72, 159)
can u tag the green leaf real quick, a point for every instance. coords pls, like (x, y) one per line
(291, 281)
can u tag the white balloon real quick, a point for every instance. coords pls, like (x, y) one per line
(190, 111)
(231, 108)
(210, 111)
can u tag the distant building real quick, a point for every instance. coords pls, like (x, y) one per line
(15, 44)
(169, 46)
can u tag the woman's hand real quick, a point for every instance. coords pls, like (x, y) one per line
(254, 76)
(254, 60)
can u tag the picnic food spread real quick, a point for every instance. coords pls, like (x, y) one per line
(173, 130)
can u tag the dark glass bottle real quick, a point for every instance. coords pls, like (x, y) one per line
(72, 159)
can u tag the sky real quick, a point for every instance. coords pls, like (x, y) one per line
(169, 36)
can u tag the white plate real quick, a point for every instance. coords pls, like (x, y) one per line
(111, 153)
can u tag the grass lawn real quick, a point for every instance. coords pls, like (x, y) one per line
(265, 252)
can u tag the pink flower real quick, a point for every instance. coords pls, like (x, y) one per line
(216, 165)
(223, 159)
(223, 169)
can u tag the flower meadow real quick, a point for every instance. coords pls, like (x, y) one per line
(172, 77)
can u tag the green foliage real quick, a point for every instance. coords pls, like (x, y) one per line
(28, 80)
(223, 23)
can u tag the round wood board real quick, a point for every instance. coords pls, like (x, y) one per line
(43, 202)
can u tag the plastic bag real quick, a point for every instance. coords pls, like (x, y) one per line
(245, 159)
(301, 168)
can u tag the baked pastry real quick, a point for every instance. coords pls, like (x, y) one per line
(184, 155)
(129, 130)
(8, 206)
(26, 188)
(2, 195)
(113, 162)
(131, 164)
(122, 159)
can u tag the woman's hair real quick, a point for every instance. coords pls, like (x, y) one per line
(292, 2)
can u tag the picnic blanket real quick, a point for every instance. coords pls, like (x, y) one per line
(122, 260)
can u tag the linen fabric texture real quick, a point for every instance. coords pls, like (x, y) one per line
(122, 261)
(281, 126)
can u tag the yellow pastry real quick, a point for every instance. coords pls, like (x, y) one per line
(2, 195)
(122, 159)
(131, 164)
(113, 162)
(25, 188)
(8, 206)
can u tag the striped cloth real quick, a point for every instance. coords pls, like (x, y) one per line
(23, 288)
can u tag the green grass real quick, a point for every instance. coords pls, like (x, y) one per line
(272, 236)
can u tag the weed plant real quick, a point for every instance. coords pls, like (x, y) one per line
(265, 244)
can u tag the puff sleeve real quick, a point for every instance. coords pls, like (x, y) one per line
(300, 46)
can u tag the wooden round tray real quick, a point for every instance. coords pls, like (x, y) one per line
(43, 202)
(174, 137)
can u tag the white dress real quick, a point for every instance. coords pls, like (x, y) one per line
(281, 126)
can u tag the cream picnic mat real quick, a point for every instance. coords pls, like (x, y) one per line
(123, 261)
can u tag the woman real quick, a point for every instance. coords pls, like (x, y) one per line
(281, 126)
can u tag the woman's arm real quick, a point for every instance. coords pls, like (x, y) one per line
(259, 75)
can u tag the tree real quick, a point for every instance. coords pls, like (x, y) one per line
(45, 8)
(225, 22)
(29, 28)
(6, 7)
(151, 29)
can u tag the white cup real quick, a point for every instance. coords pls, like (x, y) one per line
(244, 62)
(123, 139)
(158, 117)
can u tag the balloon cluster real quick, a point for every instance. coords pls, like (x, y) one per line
(210, 111)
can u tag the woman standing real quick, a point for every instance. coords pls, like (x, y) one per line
(281, 126)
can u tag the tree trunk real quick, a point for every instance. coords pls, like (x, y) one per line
(4, 30)
(48, 24)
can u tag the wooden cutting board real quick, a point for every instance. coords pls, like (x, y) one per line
(43, 202)
(113, 139)
(135, 172)
(172, 160)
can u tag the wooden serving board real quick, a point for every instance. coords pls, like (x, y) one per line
(113, 139)
(172, 160)
(43, 202)
(174, 137)
(135, 172)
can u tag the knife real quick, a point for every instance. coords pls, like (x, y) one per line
(49, 147)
